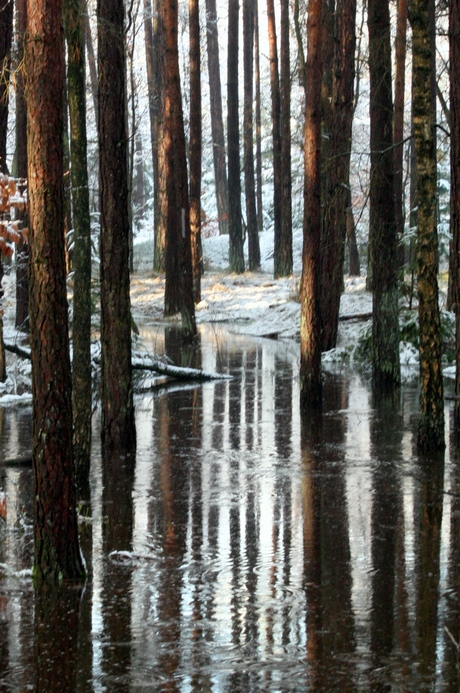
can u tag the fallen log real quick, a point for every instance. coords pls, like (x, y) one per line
(25, 461)
(355, 316)
(150, 363)
(147, 363)
(19, 351)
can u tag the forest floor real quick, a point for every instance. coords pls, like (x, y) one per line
(251, 304)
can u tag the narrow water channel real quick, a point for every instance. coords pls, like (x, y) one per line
(248, 550)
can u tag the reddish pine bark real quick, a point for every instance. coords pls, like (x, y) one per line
(276, 122)
(118, 428)
(154, 81)
(195, 147)
(310, 343)
(260, 222)
(338, 198)
(178, 245)
(57, 553)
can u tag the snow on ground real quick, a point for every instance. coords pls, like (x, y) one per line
(252, 303)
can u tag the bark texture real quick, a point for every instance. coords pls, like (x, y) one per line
(248, 129)
(81, 333)
(398, 129)
(22, 281)
(6, 35)
(284, 260)
(6, 31)
(382, 226)
(154, 49)
(195, 147)
(454, 41)
(217, 122)
(338, 197)
(57, 552)
(310, 339)
(235, 229)
(431, 423)
(276, 124)
(118, 428)
(178, 245)
(260, 221)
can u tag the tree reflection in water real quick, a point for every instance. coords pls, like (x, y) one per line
(247, 549)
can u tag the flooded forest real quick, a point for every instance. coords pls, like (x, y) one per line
(250, 549)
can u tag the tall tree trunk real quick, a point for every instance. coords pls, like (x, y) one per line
(6, 32)
(67, 186)
(195, 147)
(310, 338)
(118, 427)
(355, 269)
(382, 227)
(217, 123)
(285, 250)
(431, 424)
(235, 229)
(6, 35)
(338, 196)
(130, 132)
(138, 191)
(260, 220)
(57, 552)
(154, 113)
(178, 213)
(454, 43)
(22, 281)
(91, 62)
(398, 126)
(158, 151)
(276, 124)
(248, 129)
(2, 346)
(81, 366)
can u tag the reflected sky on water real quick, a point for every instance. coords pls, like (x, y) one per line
(247, 550)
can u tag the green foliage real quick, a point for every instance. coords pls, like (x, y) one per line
(409, 333)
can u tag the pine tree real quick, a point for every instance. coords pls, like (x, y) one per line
(217, 123)
(235, 229)
(382, 225)
(248, 130)
(81, 333)
(57, 552)
(431, 423)
(118, 428)
(310, 343)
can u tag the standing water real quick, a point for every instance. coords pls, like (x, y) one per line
(247, 550)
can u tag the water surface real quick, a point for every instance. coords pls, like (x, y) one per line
(247, 550)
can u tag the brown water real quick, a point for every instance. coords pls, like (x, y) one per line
(248, 551)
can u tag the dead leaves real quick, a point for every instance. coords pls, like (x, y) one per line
(13, 196)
